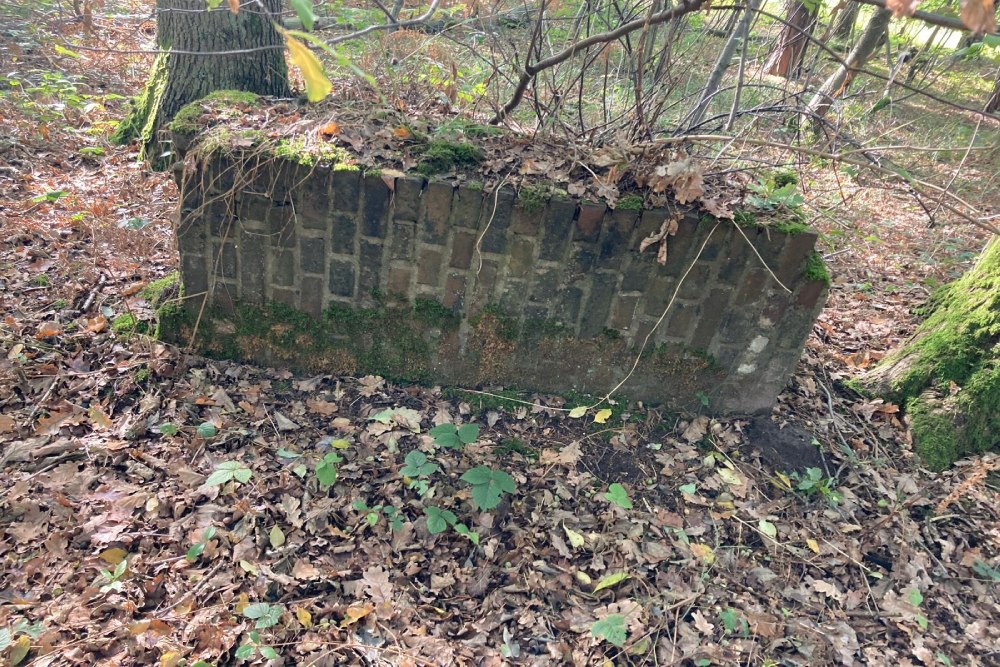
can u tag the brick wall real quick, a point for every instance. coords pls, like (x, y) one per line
(549, 295)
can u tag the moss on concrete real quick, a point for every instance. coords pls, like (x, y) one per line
(532, 199)
(632, 202)
(815, 268)
(187, 121)
(302, 151)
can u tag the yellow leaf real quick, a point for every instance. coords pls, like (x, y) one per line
(577, 412)
(730, 477)
(113, 555)
(813, 544)
(355, 613)
(785, 481)
(243, 602)
(703, 552)
(575, 538)
(318, 85)
(276, 537)
(611, 580)
(98, 418)
(249, 567)
(19, 650)
(340, 444)
(170, 659)
(305, 618)
(602, 416)
(583, 578)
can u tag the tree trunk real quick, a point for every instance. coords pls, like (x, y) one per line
(838, 82)
(189, 30)
(846, 18)
(993, 103)
(790, 51)
(947, 377)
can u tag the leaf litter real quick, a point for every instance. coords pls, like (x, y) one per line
(117, 550)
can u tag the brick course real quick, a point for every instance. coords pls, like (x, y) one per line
(312, 237)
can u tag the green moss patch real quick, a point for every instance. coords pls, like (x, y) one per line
(815, 268)
(440, 156)
(189, 119)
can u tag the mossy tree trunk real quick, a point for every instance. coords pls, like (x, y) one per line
(947, 377)
(790, 51)
(844, 24)
(993, 103)
(194, 34)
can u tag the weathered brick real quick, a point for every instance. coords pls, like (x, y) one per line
(657, 293)
(281, 225)
(286, 296)
(486, 282)
(497, 214)
(680, 321)
(527, 223)
(679, 245)
(545, 284)
(466, 207)
(794, 255)
(512, 298)
(769, 245)
(252, 267)
(595, 311)
(311, 296)
(751, 286)
(736, 326)
(623, 311)
(567, 309)
(221, 221)
(710, 315)
(403, 239)
(521, 258)
(375, 209)
(283, 267)
(224, 297)
(696, 283)
(614, 241)
(399, 279)
(194, 274)
(370, 262)
(584, 258)
(406, 199)
(534, 315)
(776, 306)
(437, 209)
(313, 255)
(636, 275)
(808, 294)
(224, 260)
(221, 176)
(463, 245)
(557, 226)
(343, 233)
(734, 259)
(429, 266)
(345, 186)
(312, 198)
(588, 222)
(454, 292)
(253, 206)
(342, 277)
(192, 237)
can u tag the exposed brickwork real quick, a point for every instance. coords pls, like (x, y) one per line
(562, 274)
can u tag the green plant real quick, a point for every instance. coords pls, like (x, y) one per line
(438, 521)
(769, 196)
(41, 280)
(372, 514)
(416, 466)
(452, 437)
(617, 495)
(266, 615)
(327, 470)
(254, 646)
(228, 471)
(19, 646)
(198, 548)
(113, 577)
(488, 486)
(611, 629)
(814, 483)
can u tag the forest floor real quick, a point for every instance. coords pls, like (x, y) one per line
(160, 508)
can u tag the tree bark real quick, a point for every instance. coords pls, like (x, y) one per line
(846, 18)
(189, 32)
(993, 103)
(791, 48)
(838, 82)
(947, 376)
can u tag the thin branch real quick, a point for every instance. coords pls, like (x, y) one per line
(530, 71)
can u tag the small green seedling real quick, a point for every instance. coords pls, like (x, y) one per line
(488, 486)
(813, 482)
(327, 470)
(255, 646)
(617, 495)
(229, 471)
(199, 548)
(417, 465)
(611, 629)
(168, 429)
(266, 615)
(114, 578)
(438, 521)
(452, 437)
(392, 515)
